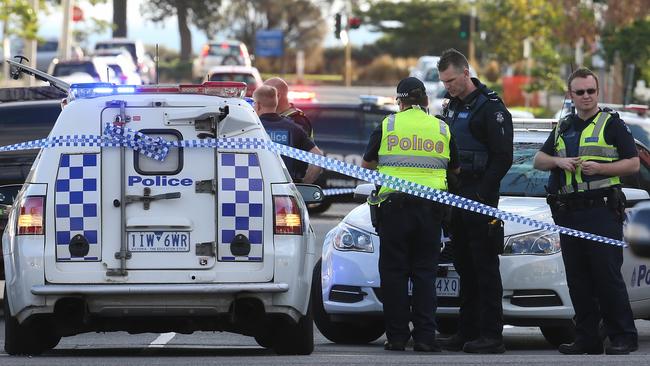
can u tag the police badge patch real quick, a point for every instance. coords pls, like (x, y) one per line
(499, 117)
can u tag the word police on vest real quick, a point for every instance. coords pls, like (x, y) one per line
(414, 143)
(159, 181)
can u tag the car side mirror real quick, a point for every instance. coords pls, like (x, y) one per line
(310, 193)
(363, 191)
(634, 196)
(637, 230)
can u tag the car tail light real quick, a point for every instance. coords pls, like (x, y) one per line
(288, 218)
(205, 51)
(30, 219)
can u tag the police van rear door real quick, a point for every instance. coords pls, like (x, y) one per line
(167, 211)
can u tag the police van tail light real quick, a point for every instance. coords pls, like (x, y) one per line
(30, 217)
(288, 218)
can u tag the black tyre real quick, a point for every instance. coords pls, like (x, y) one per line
(339, 332)
(291, 338)
(33, 337)
(264, 340)
(447, 326)
(557, 335)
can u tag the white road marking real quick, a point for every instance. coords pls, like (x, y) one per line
(162, 340)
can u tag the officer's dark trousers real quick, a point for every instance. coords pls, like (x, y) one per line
(409, 230)
(593, 273)
(477, 263)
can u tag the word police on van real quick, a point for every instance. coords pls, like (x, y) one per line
(107, 238)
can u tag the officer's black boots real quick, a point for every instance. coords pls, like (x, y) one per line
(454, 343)
(621, 347)
(394, 346)
(581, 349)
(485, 345)
(426, 347)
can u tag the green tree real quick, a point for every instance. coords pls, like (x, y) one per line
(204, 14)
(630, 42)
(418, 27)
(301, 21)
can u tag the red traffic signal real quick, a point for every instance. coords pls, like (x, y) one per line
(354, 22)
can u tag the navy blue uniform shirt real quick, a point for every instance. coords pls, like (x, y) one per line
(283, 131)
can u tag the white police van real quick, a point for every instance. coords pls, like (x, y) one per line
(108, 239)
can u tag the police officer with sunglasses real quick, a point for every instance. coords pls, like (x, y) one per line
(587, 153)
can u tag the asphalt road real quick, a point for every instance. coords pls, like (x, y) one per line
(525, 345)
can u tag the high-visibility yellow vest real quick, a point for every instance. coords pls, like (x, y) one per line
(415, 147)
(592, 147)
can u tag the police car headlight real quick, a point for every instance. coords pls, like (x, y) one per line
(348, 238)
(536, 242)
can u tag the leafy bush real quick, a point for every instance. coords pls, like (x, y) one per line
(383, 70)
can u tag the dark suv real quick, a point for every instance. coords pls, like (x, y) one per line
(342, 132)
(19, 122)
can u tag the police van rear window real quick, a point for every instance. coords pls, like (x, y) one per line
(173, 163)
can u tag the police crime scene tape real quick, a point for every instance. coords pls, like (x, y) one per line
(157, 148)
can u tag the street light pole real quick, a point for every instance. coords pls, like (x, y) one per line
(66, 30)
(470, 38)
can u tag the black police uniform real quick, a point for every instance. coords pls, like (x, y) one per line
(299, 118)
(410, 229)
(283, 131)
(482, 128)
(593, 270)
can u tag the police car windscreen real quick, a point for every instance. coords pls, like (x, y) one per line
(522, 179)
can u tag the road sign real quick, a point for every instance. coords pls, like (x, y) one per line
(269, 43)
(77, 14)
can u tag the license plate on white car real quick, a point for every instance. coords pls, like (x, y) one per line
(445, 287)
(158, 241)
(448, 286)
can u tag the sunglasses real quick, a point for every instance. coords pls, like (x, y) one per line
(583, 91)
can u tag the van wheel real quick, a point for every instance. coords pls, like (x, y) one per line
(557, 335)
(264, 339)
(293, 338)
(338, 332)
(33, 337)
(447, 325)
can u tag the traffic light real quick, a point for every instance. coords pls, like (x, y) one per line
(337, 25)
(464, 26)
(354, 22)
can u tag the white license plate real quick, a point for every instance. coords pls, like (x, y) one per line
(448, 286)
(445, 287)
(158, 241)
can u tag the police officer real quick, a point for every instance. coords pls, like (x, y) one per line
(482, 129)
(284, 131)
(287, 109)
(587, 153)
(416, 147)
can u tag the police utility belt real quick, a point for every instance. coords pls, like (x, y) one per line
(612, 198)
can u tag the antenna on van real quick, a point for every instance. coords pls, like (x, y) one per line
(108, 75)
(157, 64)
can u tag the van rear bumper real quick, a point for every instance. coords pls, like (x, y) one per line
(122, 289)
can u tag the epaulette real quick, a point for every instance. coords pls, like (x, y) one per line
(611, 111)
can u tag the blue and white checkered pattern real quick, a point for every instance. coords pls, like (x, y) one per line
(241, 199)
(158, 149)
(76, 205)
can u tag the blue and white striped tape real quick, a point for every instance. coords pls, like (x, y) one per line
(157, 148)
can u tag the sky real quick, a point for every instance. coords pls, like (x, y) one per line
(165, 34)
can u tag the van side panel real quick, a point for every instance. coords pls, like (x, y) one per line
(77, 204)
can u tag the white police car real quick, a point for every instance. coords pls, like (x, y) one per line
(108, 239)
(535, 292)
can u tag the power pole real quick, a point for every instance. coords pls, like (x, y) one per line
(66, 30)
(31, 46)
(470, 38)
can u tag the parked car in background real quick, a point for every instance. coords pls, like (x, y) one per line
(76, 71)
(19, 122)
(145, 65)
(423, 64)
(348, 297)
(46, 51)
(122, 65)
(220, 53)
(341, 131)
(244, 74)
